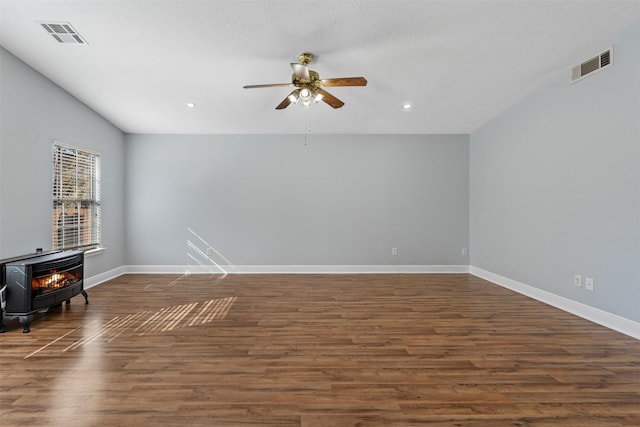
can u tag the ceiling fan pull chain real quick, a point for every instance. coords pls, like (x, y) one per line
(307, 130)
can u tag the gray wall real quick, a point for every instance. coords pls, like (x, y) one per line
(555, 186)
(272, 200)
(33, 112)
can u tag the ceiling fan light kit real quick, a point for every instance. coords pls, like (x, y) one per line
(304, 97)
(309, 86)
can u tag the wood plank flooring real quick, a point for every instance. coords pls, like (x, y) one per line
(315, 350)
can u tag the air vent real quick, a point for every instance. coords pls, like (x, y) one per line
(63, 32)
(592, 65)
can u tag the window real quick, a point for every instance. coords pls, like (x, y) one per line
(76, 198)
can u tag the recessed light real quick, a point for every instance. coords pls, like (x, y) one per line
(406, 106)
(191, 104)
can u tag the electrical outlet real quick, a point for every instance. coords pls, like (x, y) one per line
(394, 251)
(588, 283)
(464, 251)
(577, 280)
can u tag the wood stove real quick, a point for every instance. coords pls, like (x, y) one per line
(38, 282)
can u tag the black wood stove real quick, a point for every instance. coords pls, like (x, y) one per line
(34, 283)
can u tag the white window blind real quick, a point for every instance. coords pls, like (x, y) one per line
(76, 198)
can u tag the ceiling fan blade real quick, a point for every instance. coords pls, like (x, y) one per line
(269, 85)
(285, 102)
(330, 99)
(345, 81)
(301, 72)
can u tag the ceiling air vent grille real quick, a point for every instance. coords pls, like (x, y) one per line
(63, 32)
(592, 65)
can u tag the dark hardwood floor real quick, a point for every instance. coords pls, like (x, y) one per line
(315, 350)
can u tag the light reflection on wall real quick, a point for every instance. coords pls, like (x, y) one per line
(203, 257)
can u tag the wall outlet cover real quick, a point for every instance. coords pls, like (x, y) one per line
(588, 283)
(577, 280)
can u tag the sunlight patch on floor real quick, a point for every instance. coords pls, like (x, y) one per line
(143, 323)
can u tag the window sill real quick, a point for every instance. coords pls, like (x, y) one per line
(94, 252)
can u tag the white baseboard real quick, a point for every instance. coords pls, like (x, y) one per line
(294, 269)
(92, 281)
(601, 317)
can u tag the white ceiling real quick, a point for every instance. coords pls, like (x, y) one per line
(458, 62)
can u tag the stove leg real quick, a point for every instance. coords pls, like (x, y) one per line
(25, 321)
(84, 294)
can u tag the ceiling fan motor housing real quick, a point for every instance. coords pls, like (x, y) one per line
(314, 81)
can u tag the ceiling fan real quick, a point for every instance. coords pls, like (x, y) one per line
(309, 86)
